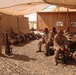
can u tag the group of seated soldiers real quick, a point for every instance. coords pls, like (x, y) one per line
(58, 40)
(14, 36)
(22, 37)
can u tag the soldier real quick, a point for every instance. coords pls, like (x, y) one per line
(44, 39)
(60, 41)
(68, 31)
(74, 55)
(13, 34)
(1, 40)
(50, 40)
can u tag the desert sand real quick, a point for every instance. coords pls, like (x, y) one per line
(26, 61)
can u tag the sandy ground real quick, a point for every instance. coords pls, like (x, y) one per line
(25, 61)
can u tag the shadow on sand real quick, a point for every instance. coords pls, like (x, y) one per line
(19, 57)
(22, 43)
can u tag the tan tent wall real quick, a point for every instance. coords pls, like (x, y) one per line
(24, 25)
(8, 21)
(49, 19)
(17, 23)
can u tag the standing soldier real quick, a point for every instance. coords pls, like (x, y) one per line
(1, 40)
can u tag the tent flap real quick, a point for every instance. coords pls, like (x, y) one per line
(24, 7)
(65, 3)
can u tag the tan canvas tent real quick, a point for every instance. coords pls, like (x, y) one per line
(63, 9)
(23, 7)
(18, 23)
(65, 3)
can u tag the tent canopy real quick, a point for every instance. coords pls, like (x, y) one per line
(65, 3)
(62, 9)
(24, 7)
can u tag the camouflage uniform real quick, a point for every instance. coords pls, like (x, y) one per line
(1, 40)
(74, 55)
(43, 40)
(58, 44)
(50, 41)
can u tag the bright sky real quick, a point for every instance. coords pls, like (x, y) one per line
(32, 17)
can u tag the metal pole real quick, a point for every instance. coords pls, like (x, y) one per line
(18, 24)
(70, 21)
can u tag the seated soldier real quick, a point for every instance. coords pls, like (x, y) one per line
(44, 39)
(13, 34)
(68, 31)
(50, 40)
(60, 45)
(32, 30)
(74, 55)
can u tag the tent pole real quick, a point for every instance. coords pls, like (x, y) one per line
(59, 17)
(18, 24)
(70, 21)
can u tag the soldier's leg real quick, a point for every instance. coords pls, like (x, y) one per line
(1, 46)
(0, 49)
(56, 55)
(47, 45)
(68, 51)
(39, 46)
(74, 55)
